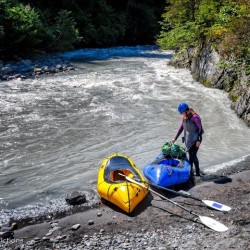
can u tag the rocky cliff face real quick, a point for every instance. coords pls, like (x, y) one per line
(208, 68)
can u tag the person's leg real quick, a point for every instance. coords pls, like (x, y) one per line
(193, 159)
(190, 158)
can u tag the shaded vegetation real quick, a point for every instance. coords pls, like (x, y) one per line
(57, 25)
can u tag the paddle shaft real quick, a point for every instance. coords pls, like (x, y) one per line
(212, 204)
(209, 222)
(175, 192)
(177, 204)
(162, 196)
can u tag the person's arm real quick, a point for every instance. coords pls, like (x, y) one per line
(196, 119)
(180, 129)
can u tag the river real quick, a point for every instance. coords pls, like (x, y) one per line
(56, 130)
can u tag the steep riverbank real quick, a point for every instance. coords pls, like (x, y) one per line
(209, 68)
(155, 224)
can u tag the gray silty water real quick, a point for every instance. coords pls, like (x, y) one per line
(56, 130)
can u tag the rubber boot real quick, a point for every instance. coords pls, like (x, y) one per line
(197, 170)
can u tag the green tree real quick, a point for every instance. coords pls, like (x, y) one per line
(109, 26)
(224, 24)
(63, 34)
(179, 27)
(26, 25)
(210, 20)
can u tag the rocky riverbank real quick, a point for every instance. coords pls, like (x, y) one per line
(155, 224)
(42, 65)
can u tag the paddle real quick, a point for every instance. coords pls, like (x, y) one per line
(213, 204)
(207, 221)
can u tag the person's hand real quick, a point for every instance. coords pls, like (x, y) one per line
(198, 143)
(173, 140)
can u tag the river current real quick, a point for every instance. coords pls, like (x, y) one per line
(56, 130)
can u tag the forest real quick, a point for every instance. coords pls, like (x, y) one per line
(224, 24)
(31, 26)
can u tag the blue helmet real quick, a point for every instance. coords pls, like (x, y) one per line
(182, 107)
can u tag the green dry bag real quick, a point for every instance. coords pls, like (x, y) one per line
(173, 150)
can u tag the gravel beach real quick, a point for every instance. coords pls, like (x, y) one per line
(155, 223)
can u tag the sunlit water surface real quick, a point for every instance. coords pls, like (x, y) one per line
(56, 130)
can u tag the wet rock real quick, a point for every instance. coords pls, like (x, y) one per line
(223, 180)
(14, 226)
(55, 229)
(6, 234)
(91, 222)
(59, 67)
(54, 224)
(6, 70)
(75, 227)
(11, 228)
(49, 233)
(76, 198)
(38, 70)
(61, 237)
(21, 69)
(70, 68)
(46, 69)
(210, 177)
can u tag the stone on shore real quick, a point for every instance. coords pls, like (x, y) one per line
(76, 198)
(22, 69)
(75, 227)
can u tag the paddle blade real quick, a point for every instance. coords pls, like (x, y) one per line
(213, 224)
(217, 205)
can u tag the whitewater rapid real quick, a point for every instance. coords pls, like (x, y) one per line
(56, 130)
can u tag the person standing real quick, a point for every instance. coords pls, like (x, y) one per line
(192, 127)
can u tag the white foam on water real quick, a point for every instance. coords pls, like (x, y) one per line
(224, 165)
(56, 130)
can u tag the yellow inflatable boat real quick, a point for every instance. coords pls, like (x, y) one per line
(114, 187)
